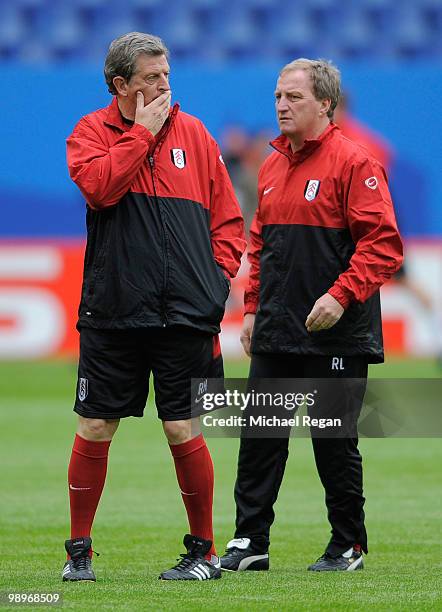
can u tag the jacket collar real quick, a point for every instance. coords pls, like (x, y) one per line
(282, 144)
(114, 118)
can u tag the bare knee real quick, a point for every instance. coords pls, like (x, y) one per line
(178, 432)
(97, 429)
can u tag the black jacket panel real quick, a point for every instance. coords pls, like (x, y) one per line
(149, 262)
(300, 263)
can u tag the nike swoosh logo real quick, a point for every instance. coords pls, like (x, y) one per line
(268, 190)
(183, 493)
(198, 399)
(79, 488)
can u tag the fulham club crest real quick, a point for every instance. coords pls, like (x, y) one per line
(83, 388)
(178, 157)
(311, 189)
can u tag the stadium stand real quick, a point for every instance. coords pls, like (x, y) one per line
(41, 31)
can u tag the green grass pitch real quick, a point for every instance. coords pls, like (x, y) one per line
(141, 520)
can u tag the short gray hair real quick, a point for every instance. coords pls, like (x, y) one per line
(325, 77)
(124, 51)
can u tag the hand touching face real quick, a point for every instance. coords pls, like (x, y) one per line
(150, 77)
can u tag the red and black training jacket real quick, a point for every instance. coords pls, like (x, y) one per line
(165, 231)
(325, 223)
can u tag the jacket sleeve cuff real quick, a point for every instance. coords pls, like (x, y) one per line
(250, 305)
(340, 296)
(142, 132)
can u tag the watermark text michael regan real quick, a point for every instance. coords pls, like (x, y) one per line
(210, 420)
(237, 399)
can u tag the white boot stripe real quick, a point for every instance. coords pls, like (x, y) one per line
(355, 564)
(205, 570)
(200, 572)
(244, 564)
(195, 574)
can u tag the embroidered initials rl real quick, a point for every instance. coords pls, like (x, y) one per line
(337, 363)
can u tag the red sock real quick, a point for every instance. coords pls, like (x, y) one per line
(194, 470)
(86, 476)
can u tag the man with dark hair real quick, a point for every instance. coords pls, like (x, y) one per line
(165, 235)
(323, 240)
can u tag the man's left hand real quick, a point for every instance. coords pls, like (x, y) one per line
(325, 313)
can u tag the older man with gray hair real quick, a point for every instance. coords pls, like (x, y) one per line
(323, 241)
(165, 235)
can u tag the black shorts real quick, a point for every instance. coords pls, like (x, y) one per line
(115, 367)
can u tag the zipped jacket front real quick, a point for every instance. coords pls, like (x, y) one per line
(325, 223)
(165, 231)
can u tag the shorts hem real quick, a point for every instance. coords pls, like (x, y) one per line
(90, 414)
(176, 417)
